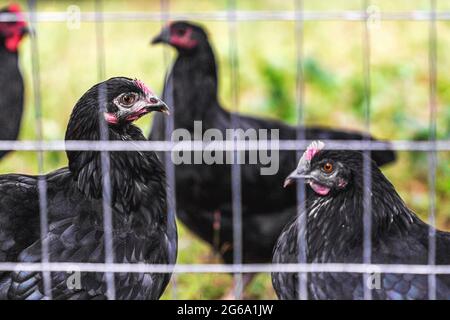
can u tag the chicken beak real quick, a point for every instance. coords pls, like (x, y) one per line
(159, 106)
(296, 174)
(163, 37)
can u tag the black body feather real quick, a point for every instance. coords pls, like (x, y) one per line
(203, 192)
(334, 234)
(142, 232)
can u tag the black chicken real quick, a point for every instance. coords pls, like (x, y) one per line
(11, 83)
(142, 232)
(203, 192)
(334, 232)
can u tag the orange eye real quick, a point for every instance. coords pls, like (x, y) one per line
(128, 99)
(327, 167)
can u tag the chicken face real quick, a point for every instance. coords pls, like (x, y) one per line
(131, 101)
(184, 36)
(324, 171)
(12, 32)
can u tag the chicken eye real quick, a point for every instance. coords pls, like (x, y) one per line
(327, 167)
(127, 99)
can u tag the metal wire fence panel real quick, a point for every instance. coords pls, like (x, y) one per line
(233, 16)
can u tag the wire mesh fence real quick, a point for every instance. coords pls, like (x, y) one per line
(368, 15)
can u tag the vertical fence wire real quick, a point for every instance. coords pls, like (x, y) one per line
(367, 167)
(235, 167)
(432, 155)
(104, 155)
(42, 183)
(168, 129)
(301, 188)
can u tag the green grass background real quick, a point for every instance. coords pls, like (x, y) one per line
(334, 93)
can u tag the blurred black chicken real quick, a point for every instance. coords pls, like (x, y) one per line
(11, 83)
(334, 232)
(203, 192)
(142, 232)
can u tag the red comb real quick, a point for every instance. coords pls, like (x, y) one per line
(15, 7)
(141, 85)
(313, 149)
(15, 30)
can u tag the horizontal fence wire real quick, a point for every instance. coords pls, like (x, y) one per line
(225, 268)
(225, 145)
(240, 15)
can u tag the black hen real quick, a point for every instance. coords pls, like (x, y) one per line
(11, 83)
(141, 229)
(203, 192)
(334, 232)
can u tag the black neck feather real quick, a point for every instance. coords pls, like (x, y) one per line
(137, 178)
(194, 77)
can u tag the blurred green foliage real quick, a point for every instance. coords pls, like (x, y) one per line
(333, 90)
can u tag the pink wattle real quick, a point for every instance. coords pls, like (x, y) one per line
(319, 189)
(12, 42)
(137, 114)
(111, 118)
